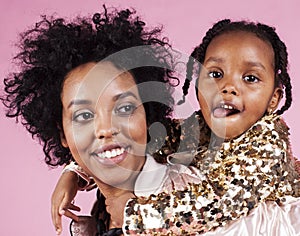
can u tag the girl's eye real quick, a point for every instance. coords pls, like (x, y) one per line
(215, 74)
(125, 110)
(83, 116)
(251, 79)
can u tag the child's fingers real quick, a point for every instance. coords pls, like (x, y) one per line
(70, 215)
(74, 207)
(56, 218)
(66, 202)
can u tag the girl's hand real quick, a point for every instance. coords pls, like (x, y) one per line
(115, 201)
(115, 206)
(62, 197)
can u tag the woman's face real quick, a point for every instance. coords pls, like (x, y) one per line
(236, 85)
(104, 123)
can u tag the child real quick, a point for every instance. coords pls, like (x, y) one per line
(82, 96)
(240, 88)
(246, 160)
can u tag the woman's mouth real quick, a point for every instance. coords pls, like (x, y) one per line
(225, 110)
(111, 154)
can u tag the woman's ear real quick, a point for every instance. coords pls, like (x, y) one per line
(275, 99)
(63, 140)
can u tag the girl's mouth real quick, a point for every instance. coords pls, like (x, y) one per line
(225, 110)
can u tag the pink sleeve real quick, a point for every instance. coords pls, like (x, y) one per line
(88, 181)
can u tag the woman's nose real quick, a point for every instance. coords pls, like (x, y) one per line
(107, 133)
(105, 128)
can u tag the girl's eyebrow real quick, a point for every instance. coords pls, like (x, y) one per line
(248, 63)
(255, 64)
(215, 59)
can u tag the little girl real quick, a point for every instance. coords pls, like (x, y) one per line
(239, 88)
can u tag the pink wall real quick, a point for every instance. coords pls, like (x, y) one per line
(26, 182)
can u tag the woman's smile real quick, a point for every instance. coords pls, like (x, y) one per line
(111, 154)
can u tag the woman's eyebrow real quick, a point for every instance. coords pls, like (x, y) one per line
(79, 102)
(88, 102)
(124, 95)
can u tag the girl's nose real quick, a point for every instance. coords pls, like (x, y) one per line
(230, 86)
(229, 90)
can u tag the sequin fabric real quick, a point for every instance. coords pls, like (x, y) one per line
(255, 167)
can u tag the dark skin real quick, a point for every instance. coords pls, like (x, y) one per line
(38, 82)
(284, 75)
(69, 181)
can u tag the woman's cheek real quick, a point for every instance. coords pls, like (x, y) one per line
(83, 137)
(135, 128)
(78, 138)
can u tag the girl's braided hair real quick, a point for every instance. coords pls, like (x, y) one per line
(262, 31)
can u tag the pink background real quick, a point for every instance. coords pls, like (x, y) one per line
(26, 182)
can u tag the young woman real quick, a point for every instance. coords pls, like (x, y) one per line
(85, 90)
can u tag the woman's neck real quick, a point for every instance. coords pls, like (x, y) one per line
(127, 185)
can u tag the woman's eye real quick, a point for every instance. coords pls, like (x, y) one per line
(215, 74)
(83, 116)
(251, 79)
(127, 109)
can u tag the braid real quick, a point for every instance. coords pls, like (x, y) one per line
(283, 76)
(281, 63)
(288, 98)
(198, 56)
(262, 31)
(189, 75)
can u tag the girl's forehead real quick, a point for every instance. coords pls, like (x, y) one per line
(242, 41)
(241, 35)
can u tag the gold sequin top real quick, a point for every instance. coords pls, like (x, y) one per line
(255, 167)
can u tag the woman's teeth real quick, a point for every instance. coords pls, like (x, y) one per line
(111, 153)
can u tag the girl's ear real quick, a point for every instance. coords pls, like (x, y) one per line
(275, 99)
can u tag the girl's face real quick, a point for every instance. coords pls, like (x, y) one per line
(104, 123)
(236, 85)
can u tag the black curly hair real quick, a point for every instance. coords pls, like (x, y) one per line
(53, 47)
(264, 32)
